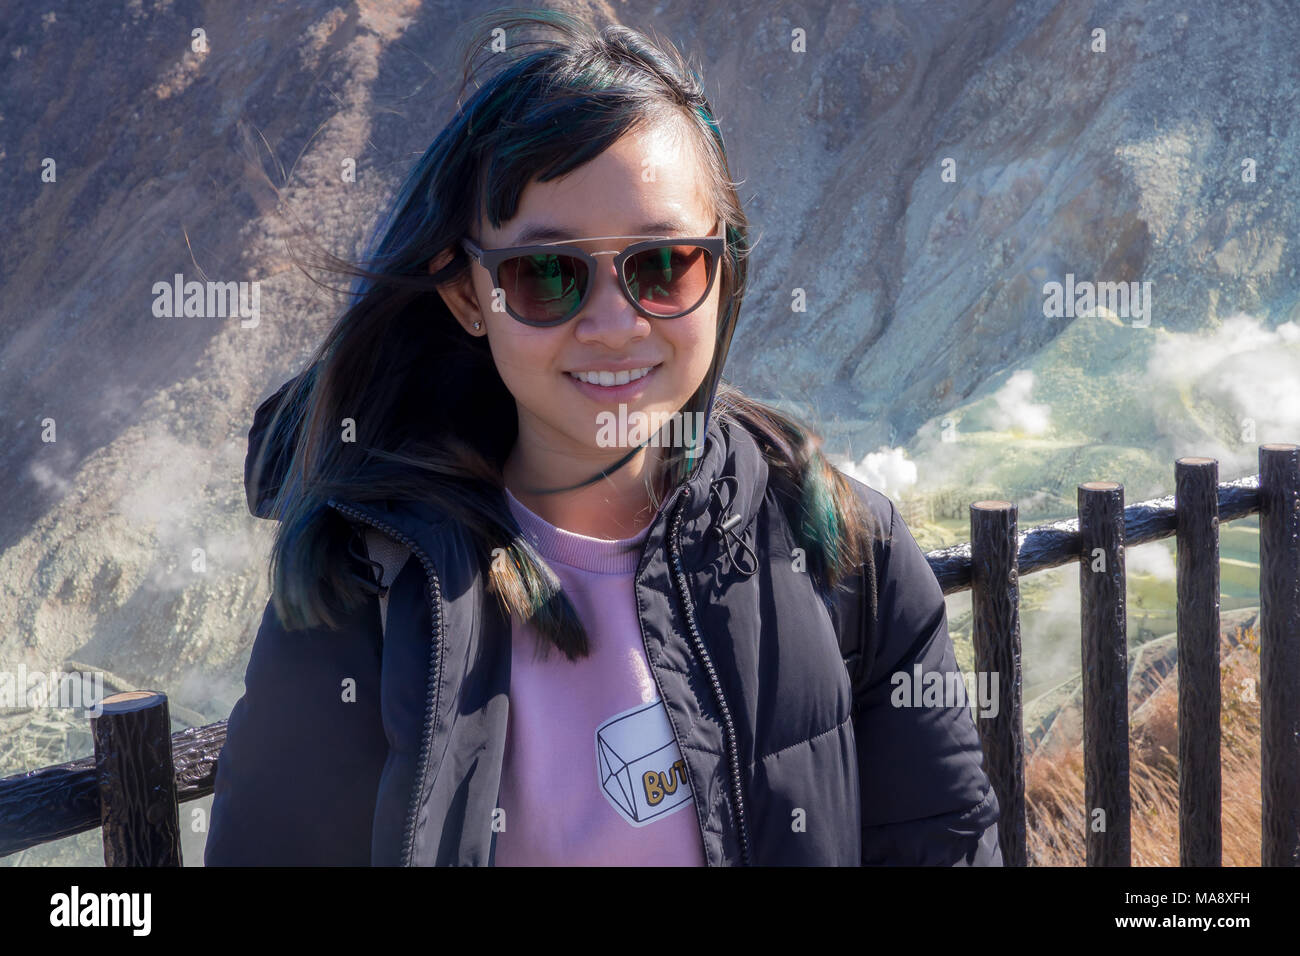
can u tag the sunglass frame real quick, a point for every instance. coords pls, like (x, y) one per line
(491, 259)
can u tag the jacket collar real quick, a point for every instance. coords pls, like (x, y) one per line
(731, 480)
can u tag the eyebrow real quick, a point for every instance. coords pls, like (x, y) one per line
(544, 233)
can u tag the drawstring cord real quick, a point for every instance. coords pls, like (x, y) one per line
(724, 529)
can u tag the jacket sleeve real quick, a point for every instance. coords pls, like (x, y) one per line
(926, 799)
(298, 776)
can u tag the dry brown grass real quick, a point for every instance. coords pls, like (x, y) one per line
(1054, 792)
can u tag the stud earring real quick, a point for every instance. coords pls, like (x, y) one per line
(477, 326)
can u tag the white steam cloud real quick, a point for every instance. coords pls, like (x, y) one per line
(1152, 558)
(888, 470)
(1015, 412)
(1247, 373)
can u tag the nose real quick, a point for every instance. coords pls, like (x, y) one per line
(608, 318)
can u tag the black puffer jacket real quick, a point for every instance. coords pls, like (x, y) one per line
(779, 699)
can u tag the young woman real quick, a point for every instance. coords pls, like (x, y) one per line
(545, 591)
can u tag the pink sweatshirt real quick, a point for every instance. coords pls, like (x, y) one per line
(592, 774)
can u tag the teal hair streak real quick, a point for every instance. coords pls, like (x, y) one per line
(819, 524)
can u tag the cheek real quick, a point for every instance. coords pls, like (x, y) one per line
(523, 358)
(694, 343)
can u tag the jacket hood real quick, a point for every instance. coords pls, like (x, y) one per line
(268, 454)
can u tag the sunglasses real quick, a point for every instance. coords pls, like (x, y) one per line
(548, 284)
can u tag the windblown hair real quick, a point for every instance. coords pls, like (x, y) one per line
(420, 389)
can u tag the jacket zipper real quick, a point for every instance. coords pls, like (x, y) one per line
(434, 590)
(733, 751)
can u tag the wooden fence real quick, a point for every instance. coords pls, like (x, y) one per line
(132, 787)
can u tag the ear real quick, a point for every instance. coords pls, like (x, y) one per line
(459, 294)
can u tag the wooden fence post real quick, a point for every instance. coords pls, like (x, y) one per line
(1200, 785)
(1105, 673)
(137, 784)
(995, 603)
(1279, 652)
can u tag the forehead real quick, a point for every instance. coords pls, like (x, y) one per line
(647, 183)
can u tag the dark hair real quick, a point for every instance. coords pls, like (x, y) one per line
(418, 386)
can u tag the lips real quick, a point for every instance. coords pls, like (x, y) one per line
(605, 392)
(608, 377)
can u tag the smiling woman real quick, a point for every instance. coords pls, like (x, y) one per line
(656, 309)
(728, 607)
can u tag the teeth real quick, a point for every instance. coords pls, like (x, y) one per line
(612, 378)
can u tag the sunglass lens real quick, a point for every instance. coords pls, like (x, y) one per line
(543, 288)
(669, 280)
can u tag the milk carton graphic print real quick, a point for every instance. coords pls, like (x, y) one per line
(641, 772)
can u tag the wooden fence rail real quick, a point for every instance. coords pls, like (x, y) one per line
(132, 790)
